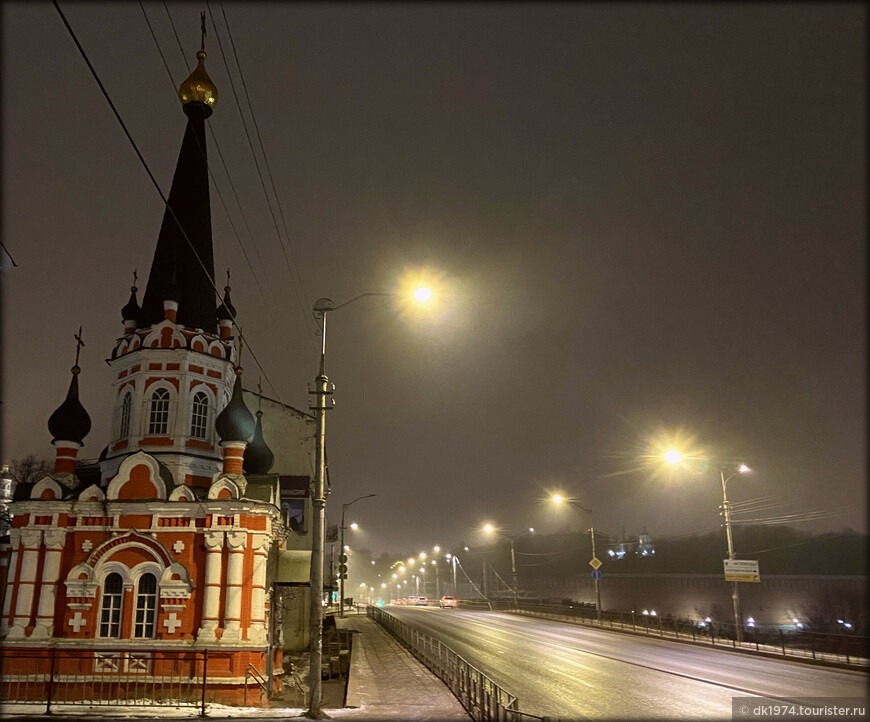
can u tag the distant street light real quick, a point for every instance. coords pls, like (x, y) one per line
(675, 457)
(322, 391)
(341, 574)
(557, 499)
(512, 538)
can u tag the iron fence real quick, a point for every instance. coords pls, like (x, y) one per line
(103, 677)
(848, 649)
(482, 698)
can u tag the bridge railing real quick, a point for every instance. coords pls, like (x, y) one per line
(482, 698)
(850, 649)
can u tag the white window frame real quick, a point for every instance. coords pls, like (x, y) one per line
(199, 416)
(159, 427)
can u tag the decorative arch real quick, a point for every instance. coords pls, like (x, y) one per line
(46, 488)
(224, 484)
(92, 493)
(122, 348)
(138, 477)
(182, 493)
(80, 582)
(200, 419)
(151, 549)
(165, 335)
(175, 582)
(198, 343)
(216, 349)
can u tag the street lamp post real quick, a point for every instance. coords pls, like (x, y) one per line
(512, 538)
(726, 512)
(558, 499)
(322, 390)
(675, 457)
(341, 575)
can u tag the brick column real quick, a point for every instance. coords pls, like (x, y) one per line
(54, 540)
(235, 578)
(30, 541)
(257, 630)
(214, 544)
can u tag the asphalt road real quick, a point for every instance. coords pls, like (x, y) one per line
(569, 672)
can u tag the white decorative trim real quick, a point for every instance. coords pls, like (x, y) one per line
(222, 483)
(46, 483)
(123, 476)
(92, 493)
(182, 493)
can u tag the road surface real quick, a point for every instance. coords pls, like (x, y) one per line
(571, 672)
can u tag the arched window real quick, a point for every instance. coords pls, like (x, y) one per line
(124, 421)
(110, 612)
(158, 419)
(199, 416)
(146, 606)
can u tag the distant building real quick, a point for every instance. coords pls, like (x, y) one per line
(172, 541)
(641, 546)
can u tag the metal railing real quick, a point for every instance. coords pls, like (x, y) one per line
(482, 698)
(103, 677)
(252, 673)
(851, 650)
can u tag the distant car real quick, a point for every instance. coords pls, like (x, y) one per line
(412, 600)
(421, 602)
(448, 602)
(401, 601)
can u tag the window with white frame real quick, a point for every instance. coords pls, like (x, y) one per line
(110, 610)
(199, 416)
(158, 419)
(146, 607)
(124, 419)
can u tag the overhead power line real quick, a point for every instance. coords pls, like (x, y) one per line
(271, 296)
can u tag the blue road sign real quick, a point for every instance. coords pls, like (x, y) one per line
(597, 574)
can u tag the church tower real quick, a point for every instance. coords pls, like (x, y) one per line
(174, 366)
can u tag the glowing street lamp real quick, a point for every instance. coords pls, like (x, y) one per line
(512, 538)
(558, 499)
(322, 392)
(342, 527)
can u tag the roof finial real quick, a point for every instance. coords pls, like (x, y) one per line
(135, 279)
(241, 346)
(202, 26)
(79, 344)
(259, 394)
(228, 280)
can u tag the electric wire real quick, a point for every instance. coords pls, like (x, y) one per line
(211, 175)
(297, 277)
(272, 296)
(151, 175)
(260, 173)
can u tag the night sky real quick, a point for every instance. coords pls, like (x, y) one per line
(644, 223)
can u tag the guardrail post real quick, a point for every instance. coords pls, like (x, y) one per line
(813, 644)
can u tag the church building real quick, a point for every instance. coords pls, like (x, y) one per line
(158, 556)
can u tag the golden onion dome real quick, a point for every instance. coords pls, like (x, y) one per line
(198, 86)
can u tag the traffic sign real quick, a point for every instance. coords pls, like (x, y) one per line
(595, 563)
(342, 568)
(741, 570)
(597, 574)
(342, 558)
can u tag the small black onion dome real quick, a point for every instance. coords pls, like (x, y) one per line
(130, 312)
(258, 456)
(235, 422)
(226, 311)
(70, 422)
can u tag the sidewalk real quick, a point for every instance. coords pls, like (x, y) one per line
(385, 682)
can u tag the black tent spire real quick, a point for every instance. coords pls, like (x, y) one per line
(183, 266)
